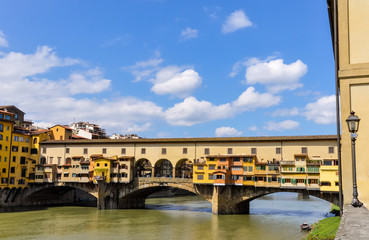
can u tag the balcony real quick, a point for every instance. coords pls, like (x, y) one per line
(287, 162)
(313, 162)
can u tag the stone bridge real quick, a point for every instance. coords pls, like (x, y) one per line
(228, 199)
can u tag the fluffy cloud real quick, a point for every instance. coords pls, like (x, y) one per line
(3, 41)
(250, 99)
(49, 102)
(191, 111)
(276, 75)
(91, 81)
(280, 126)
(176, 81)
(145, 69)
(322, 111)
(188, 33)
(227, 132)
(235, 21)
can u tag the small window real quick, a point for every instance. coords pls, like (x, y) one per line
(304, 150)
(12, 170)
(230, 151)
(200, 177)
(200, 167)
(143, 150)
(331, 150)
(123, 151)
(15, 148)
(85, 151)
(43, 150)
(1, 137)
(4, 170)
(104, 150)
(14, 158)
(98, 164)
(67, 150)
(15, 138)
(106, 164)
(163, 151)
(184, 150)
(253, 150)
(206, 151)
(35, 141)
(278, 150)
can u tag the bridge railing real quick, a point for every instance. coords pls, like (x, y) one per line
(164, 180)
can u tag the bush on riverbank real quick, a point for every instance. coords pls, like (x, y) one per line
(325, 229)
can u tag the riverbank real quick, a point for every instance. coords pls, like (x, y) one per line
(325, 229)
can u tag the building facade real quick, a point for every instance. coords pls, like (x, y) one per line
(293, 161)
(349, 26)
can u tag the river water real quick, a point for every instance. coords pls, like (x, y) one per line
(275, 216)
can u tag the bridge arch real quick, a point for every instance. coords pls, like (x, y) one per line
(59, 194)
(183, 168)
(143, 168)
(163, 168)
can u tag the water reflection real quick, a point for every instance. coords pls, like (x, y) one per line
(275, 216)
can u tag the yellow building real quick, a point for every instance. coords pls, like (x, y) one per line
(103, 169)
(351, 45)
(61, 132)
(329, 176)
(248, 170)
(6, 128)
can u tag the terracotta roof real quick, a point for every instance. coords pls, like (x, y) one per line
(63, 126)
(11, 106)
(78, 137)
(77, 157)
(301, 155)
(96, 155)
(125, 157)
(196, 140)
(228, 156)
(2, 111)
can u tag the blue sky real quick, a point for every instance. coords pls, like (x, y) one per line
(171, 68)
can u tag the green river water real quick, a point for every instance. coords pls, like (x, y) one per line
(275, 216)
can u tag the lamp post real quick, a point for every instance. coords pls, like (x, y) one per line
(353, 126)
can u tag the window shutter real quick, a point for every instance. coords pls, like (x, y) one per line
(283, 180)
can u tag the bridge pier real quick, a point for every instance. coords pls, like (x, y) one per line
(228, 200)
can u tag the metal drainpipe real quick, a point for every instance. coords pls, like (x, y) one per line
(336, 59)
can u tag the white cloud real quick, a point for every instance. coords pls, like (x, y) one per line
(280, 126)
(276, 75)
(227, 132)
(235, 21)
(188, 33)
(284, 112)
(250, 100)
(323, 111)
(49, 102)
(138, 128)
(3, 41)
(176, 81)
(191, 111)
(91, 81)
(16, 65)
(145, 69)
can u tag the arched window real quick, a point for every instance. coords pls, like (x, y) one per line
(1, 127)
(1, 147)
(1, 137)
(35, 141)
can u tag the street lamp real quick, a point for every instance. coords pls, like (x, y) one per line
(353, 126)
